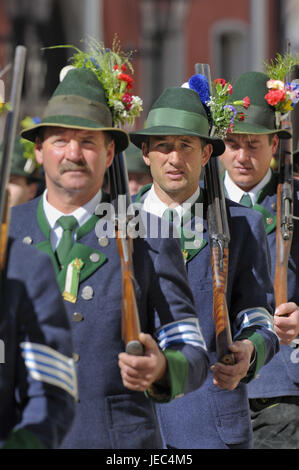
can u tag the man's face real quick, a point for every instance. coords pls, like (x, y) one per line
(74, 162)
(247, 158)
(175, 163)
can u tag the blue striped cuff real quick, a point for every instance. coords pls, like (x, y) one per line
(249, 318)
(47, 365)
(183, 331)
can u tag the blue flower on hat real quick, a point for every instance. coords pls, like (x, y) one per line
(199, 83)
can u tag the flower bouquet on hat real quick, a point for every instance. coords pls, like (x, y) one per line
(220, 110)
(283, 95)
(113, 69)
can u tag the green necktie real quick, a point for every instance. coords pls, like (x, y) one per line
(246, 200)
(68, 223)
(169, 214)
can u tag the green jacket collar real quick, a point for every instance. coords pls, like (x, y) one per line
(91, 257)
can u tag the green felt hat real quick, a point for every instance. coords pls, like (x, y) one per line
(79, 102)
(20, 165)
(260, 116)
(134, 160)
(178, 111)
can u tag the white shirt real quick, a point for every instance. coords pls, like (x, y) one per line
(235, 193)
(154, 205)
(82, 214)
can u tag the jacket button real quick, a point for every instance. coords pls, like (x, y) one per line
(77, 316)
(87, 293)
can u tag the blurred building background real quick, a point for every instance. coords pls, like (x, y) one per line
(167, 36)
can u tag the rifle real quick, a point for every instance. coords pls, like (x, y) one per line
(284, 224)
(119, 186)
(10, 129)
(219, 240)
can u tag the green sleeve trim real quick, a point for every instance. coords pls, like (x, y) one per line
(260, 352)
(23, 439)
(177, 371)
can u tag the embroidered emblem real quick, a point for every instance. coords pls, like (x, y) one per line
(72, 280)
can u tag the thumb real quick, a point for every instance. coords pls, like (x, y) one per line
(148, 341)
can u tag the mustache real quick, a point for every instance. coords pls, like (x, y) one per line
(72, 166)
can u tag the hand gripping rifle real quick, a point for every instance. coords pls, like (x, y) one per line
(10, 130)
(284, 224)
(219, 241)
(121, 198)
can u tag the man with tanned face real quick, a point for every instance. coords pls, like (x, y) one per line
(176, 146)
(76, 142)
(249, 180)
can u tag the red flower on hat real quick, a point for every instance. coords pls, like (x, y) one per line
(126, 78)
(241, 116)
(275, 96)
(246, 102)
(229, 89)
(230, 128)
(127, 100)
(221, 81)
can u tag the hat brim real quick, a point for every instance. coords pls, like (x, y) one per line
(120, 136)
(138, 137)
(250, 128)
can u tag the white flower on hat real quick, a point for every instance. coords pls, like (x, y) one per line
(64, 71)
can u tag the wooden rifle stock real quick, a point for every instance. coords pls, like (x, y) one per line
(219, 241)
(284, 225)
(118, 178)
(8, 145)
(130, 315)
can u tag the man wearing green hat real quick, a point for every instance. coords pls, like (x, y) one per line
(76, 142)
(176, 145)
(25, 178)
(274, 394)
(138, 172)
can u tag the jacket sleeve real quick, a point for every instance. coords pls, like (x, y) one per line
(178, 331)
(253, 297)
(46, 384)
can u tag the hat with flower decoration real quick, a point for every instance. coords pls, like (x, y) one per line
(260, 116)
(178, 111)
(272, 97)
(92, 95)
